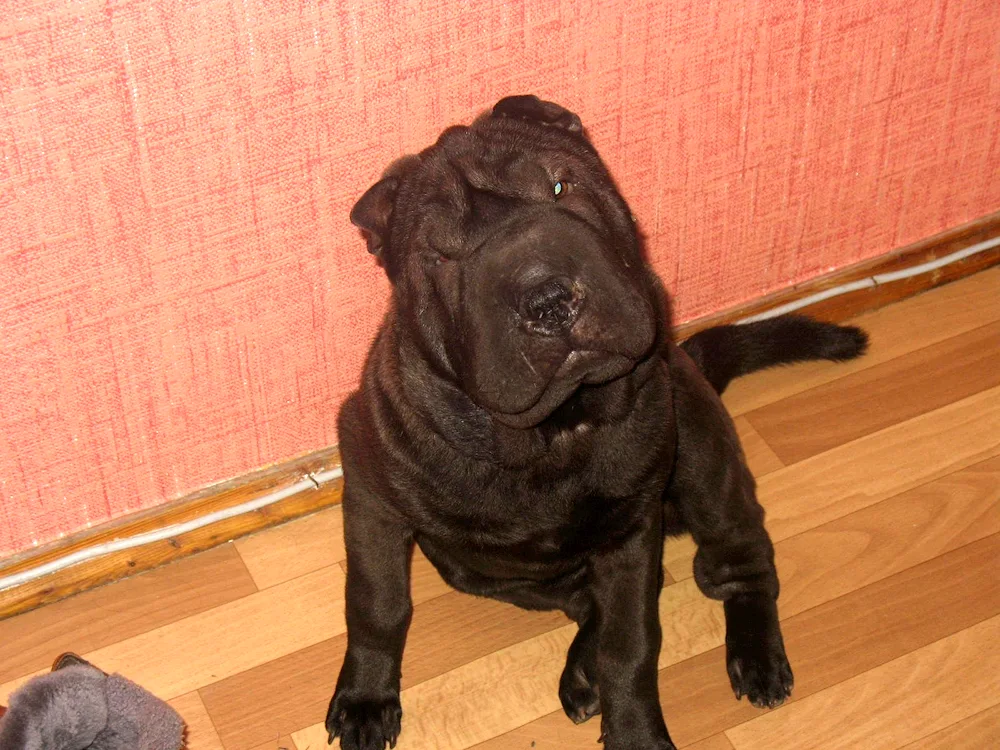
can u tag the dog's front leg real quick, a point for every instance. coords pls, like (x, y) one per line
(365, 711)
(626, 586)
(715, 494)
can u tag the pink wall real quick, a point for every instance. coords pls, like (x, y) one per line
(182, 298)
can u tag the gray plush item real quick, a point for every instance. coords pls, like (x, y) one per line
(78, 707)
(63, 710)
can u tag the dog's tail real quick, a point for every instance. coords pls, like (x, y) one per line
(726, 352)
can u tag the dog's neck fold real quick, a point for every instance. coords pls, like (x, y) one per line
(433, 392)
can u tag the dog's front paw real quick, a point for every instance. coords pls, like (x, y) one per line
(364, 723)
(760, 671)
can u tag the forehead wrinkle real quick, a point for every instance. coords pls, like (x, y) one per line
(442, 184)
(443, 203)
(506, 174)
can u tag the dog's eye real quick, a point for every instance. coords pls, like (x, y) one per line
(560, 188)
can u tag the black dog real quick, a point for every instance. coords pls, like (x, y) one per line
(526, 420)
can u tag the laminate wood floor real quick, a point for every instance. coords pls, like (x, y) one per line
(881, 479)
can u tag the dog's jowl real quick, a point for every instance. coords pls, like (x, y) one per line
(526, 419)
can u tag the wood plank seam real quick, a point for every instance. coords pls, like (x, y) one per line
(913, 384)
(681, 558)
(211, 719)
(976, 623)
(992, 714)
(742, 731)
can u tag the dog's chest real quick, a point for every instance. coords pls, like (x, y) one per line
(548, 513)
(518, 535)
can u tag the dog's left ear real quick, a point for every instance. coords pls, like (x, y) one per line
(69, 659)
(372, 212)
(530, 107)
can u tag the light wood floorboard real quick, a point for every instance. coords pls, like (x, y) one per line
(285, 552)
(175, 659)
(979, 731)
(280, 743)
(888, 706)
(865, 471)
(200, 733)
(760, 458)
(816, 420)
(111, 614)
(718, 742)
(948, 510)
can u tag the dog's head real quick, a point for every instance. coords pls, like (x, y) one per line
(514, 260)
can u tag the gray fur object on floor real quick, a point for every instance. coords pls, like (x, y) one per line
(78, 707)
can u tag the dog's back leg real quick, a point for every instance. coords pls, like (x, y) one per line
(713, 493)
(579, 691)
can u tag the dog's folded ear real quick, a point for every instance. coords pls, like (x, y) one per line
(373, 210)
(530, 107)
(69, 659)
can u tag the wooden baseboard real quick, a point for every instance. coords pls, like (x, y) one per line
(852, 304)
(119, 565)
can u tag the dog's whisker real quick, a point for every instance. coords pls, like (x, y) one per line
(527, 361)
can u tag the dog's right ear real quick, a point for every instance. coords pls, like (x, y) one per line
(374, 210)
(530, 107)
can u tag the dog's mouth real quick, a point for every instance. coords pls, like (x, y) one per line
(579, 368)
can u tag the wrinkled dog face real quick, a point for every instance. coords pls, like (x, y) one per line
(514, 259)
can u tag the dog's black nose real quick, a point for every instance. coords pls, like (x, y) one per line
(551, 307)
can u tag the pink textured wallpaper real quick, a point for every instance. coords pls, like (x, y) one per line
(182, 298)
